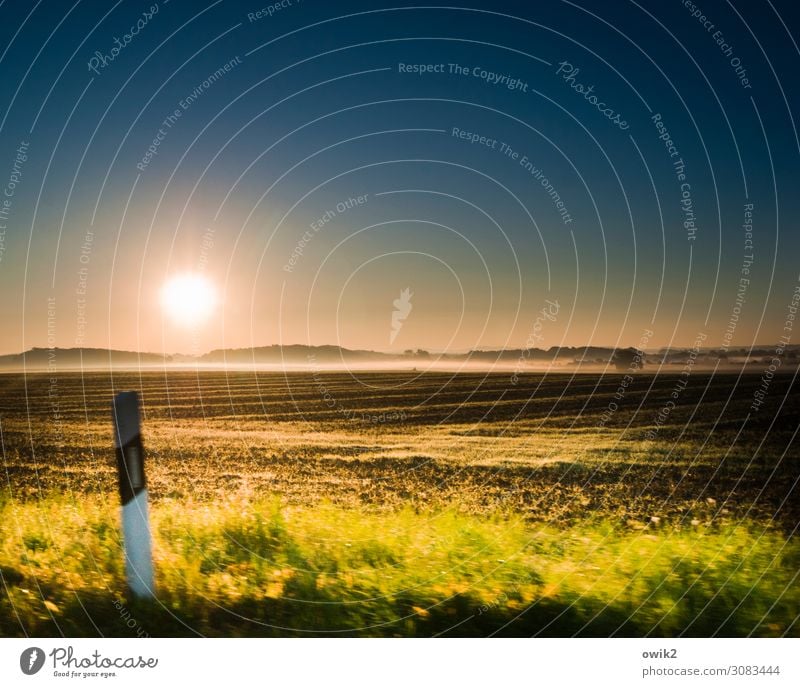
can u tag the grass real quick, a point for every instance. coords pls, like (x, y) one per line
(237, 568)
(488, 507)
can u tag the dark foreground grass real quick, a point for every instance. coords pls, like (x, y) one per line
(241, 568)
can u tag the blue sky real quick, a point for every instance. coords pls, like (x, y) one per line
(263, 125)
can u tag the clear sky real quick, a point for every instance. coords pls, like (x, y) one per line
(311, 161)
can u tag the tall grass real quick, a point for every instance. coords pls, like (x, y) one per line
(258, 568)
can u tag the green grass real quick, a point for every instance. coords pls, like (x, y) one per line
(240, 567)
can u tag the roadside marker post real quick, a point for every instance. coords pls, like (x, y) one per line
(133, 494)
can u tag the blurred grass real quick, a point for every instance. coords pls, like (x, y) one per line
(240, 567)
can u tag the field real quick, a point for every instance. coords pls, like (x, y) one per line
(400, 503)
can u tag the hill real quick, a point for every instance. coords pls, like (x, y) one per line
(78, 358)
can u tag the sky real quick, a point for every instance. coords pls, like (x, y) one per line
(390, 176)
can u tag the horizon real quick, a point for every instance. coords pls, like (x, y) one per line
(410, 350)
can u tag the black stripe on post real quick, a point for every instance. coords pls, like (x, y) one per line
(128, 442)
(130, 466)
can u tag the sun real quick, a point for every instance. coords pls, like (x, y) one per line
(188, 299)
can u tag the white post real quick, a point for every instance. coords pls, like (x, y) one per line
(133, 493)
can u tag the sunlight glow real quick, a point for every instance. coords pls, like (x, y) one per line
(188, 299)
